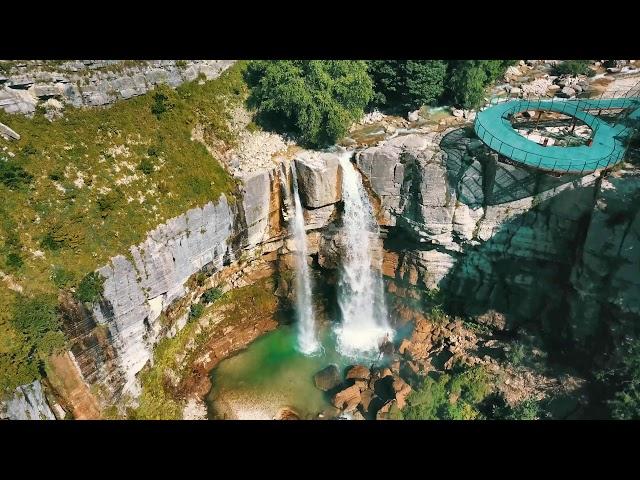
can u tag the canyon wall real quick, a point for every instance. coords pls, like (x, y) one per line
(506, 245)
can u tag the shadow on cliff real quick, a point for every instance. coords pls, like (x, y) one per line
(483, 181)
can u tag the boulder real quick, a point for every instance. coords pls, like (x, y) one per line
(347, 399)
(365, 399)
(8, 132)
(358, 372)
(327, 378)
(319, 178)
(567, 92)
(457, 113)
(402, 389)
(414, 116)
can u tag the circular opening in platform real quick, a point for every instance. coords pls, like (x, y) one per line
(551, 128)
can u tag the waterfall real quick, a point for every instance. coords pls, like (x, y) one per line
(307, 341)
(360, 287)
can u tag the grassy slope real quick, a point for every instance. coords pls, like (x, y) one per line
(116, 203)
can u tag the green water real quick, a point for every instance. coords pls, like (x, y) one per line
(270, 375)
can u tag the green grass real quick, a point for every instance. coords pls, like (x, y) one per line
(76, 192)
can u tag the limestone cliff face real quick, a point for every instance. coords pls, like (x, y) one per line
(94, 82)
(27, 403)
(140, 287)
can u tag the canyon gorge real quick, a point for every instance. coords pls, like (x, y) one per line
(454, 254)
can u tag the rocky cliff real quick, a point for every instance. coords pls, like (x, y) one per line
(558, 251)
(25, 85)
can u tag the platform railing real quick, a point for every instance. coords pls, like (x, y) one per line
(544, 103)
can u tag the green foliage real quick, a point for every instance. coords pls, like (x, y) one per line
(160, 104)
(315, 100)
(528, 409)
(56, 175)
(37, 319)
(14, 261)
(91, 288)
(61, 277)
(181, 64)
(211, 295)
(407, 85)
(624, 379)
(13, 175)
(469, 78)
(450, 397)
(196, 311)
(146, 166)
(62, 234)
(108, 202)
(517, 354)
(575, 67)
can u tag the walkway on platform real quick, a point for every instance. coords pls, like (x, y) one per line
(493, 127)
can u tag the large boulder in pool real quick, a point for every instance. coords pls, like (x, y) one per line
(358, 372)
(327, 378)
(347, 399)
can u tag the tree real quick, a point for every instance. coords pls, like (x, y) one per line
(314, 100)
(469, 78)
(407, 85)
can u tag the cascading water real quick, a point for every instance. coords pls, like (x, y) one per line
(360, 288)
(307, 340)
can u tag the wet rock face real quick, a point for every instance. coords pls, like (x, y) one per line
(320, 179)
(92, 83)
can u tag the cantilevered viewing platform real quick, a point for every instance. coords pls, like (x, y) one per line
(605, 148)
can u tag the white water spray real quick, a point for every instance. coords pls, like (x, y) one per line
(360, 288)
(307, 341)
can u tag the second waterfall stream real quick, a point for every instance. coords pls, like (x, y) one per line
(307, 340)
(360, 288)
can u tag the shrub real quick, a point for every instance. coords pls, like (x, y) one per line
(62, 278)
(516, 355)
(13, 175)
(575, 67)
(528, 409)
(196, 311)
(211, 295)
(315, 100)
(451, 397)
(56, 175)
(108, 202)
(146, 166)
(37, 319)
(29, 149)
(14, 261)
(91, 288)
(161, 104)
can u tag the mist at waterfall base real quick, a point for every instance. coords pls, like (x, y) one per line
(277, 370)
(360, 288)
